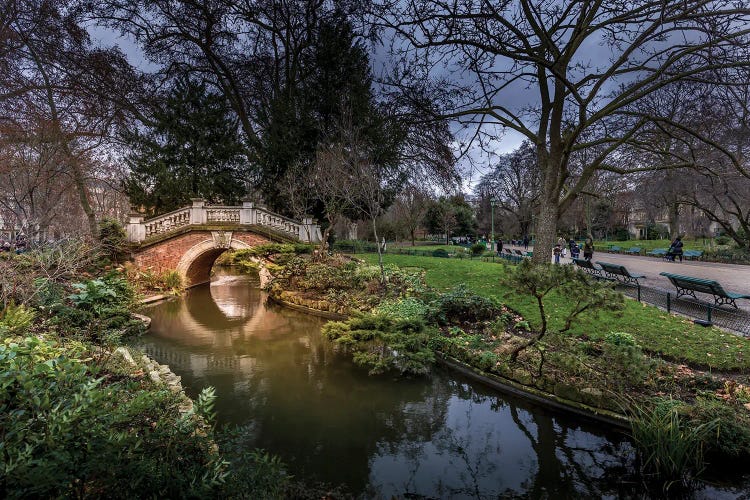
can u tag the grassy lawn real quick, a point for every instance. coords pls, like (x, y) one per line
(448, 248)
(648, 245)
(655, 330)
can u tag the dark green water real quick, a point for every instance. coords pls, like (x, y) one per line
(438, 437)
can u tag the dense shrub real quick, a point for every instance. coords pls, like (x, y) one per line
(268, 249)
(408, 308)
(15, 320)
(354, 246)
(148, 281)
(732, 255)
(54, 265)
(252, 473)
(440, 252)
(732, 436)
(383, 344)
(113, 239)
(625, 365)
(478, 249)
(98, 310)
(462, 306)
(405, 282)
(723, 240)
(323, 275)
(66, 433)
(619, 339)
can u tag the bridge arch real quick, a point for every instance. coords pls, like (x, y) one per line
(193, 253)
(195, 264)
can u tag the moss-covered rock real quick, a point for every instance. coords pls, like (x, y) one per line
(567, 391)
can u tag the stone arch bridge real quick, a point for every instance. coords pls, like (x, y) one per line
(190, 239)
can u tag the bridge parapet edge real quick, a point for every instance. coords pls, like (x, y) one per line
(200, 214)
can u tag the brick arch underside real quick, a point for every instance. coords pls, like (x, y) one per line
(199, 271)
(192, 255)
(195, 265)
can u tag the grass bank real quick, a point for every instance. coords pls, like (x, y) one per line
(628, 358)
(656, 331)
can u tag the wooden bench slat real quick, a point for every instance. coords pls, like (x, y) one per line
(688, 285)
(620, 270)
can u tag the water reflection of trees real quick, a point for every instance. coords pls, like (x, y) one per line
(441, 437)
(554, 456)
(572, 460)
(307, 403)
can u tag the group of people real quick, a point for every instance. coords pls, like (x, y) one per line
(575, 250)
(563, 246)
(20, 245)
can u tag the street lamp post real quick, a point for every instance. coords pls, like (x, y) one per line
(492, 219)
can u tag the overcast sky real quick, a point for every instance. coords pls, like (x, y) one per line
(472, 169)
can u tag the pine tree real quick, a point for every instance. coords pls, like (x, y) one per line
(192, 150)
(335, 91)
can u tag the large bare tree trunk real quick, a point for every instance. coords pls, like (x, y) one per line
(546, 230)
(674, 220)
(83, 196)
(549, 207)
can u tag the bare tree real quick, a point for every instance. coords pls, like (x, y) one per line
(55, 82)
(513, 184)
(33, 180)
(329, 187)
(297, 186)
(568, 76)
(724, 197)
(410, 208)
(350, 181)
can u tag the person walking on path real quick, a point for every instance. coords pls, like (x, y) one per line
(499, 246)
(574, 250)
(557, 251)
(675, 249)
(588, 248)
(526, 242)
(562, 245)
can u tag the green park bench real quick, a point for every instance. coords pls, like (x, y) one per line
(687, 285)
(633, 251)
(658, 252)
(509, 255)
(614, 249)
(692, 254)
(619, 273)
(589, 267)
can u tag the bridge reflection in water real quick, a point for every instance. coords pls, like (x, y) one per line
(441, 437)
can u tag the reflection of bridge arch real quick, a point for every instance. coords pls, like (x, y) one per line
(197, 318)
(209, 329)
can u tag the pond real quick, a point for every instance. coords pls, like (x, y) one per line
(437, 437)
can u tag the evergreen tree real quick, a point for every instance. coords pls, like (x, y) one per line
(192, 150)
(334, 93)
(451, 216)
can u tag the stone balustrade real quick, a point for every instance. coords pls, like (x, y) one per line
(223, 214)
(167, 222)
(200, 214)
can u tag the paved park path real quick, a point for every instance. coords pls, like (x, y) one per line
(733, 277)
